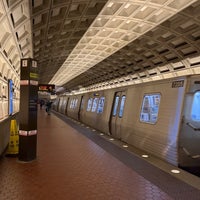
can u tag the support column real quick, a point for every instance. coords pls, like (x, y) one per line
(28, 110)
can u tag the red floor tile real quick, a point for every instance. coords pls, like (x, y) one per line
(69, 166)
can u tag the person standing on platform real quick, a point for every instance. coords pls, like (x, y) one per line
(48, 107)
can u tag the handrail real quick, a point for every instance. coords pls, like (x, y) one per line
(193, 127)
(189, 154)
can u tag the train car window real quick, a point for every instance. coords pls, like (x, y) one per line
(89, 105)
(115, 105)
(75, 103)
(101, 105)
(121, 109)
(195, 114)
(94, 105)
(150, 107)
(71, 103)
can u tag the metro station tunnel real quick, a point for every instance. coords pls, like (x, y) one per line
(99, 99)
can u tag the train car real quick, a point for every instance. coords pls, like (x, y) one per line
(160, 117)
(96, 110)
(55, 104)
(74, 106)
(62, 104)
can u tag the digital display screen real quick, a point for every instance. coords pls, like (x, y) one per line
(46, 87)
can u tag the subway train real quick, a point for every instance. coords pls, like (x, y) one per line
(160, 117)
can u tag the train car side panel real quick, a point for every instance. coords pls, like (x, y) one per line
(97, 110)
(60, 104)
(73, 106)
(102, 119)
(160, 138)
(55, 104)
(82, 110)
(64, 105)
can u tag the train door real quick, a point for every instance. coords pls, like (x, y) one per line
(190, 128)
(66, 105)
(80, 108)
(117, 114)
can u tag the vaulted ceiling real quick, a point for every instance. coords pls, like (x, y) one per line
(88, 43)
(173, 46)
(58, 25)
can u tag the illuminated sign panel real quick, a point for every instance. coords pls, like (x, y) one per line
(10, 93)
(46, 87)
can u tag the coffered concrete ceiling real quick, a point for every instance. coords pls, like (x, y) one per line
(95, 43)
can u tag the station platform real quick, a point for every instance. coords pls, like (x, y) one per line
(75, 162)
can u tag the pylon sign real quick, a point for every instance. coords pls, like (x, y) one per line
(13, 146)
(28, 110)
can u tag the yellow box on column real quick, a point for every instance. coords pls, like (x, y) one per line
(13, 147)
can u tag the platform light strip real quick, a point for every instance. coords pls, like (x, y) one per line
(175, 171)
(112, 30)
